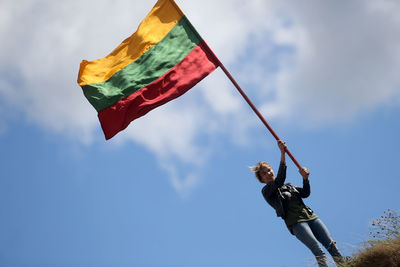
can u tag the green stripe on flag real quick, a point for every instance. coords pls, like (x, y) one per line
(174, 47)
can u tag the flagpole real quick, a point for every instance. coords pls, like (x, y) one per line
(241, 91)
(253, 107)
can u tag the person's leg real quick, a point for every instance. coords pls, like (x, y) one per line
(303, 232)
(321, 232)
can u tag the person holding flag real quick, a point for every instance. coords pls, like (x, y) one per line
(287, 200)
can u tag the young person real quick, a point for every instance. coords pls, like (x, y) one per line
(287, 201)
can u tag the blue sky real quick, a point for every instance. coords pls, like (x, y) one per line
(174, 189)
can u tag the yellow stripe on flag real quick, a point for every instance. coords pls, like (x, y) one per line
(158, 23)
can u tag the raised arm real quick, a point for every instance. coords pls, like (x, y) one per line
(282, 147)
(281, 176)
(305, 190)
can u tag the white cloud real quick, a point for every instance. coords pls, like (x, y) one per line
(321, 61)
(184, 185)
(169, 131)
(347, 58)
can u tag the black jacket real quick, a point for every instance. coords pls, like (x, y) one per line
(274, 192)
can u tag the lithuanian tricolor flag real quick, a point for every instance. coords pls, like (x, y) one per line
(162, 60)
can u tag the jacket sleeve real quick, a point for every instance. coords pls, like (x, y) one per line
(281, 176)
(305, 190)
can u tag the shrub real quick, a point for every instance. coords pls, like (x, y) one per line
(387, 227)
(383, 249)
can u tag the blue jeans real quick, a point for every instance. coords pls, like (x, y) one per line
(309, 233)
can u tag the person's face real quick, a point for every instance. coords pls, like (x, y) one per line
(267, 174)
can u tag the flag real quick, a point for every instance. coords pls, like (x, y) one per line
(162, 60)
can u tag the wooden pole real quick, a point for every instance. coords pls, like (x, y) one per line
(253, 107)
(241, 91)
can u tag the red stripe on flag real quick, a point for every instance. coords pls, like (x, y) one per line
(178, 80)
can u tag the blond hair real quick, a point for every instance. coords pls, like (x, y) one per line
(256, 169)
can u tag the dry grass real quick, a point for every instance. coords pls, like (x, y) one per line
(383, 249)
(382, 254)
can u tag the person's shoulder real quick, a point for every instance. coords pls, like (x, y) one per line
(264, 189)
